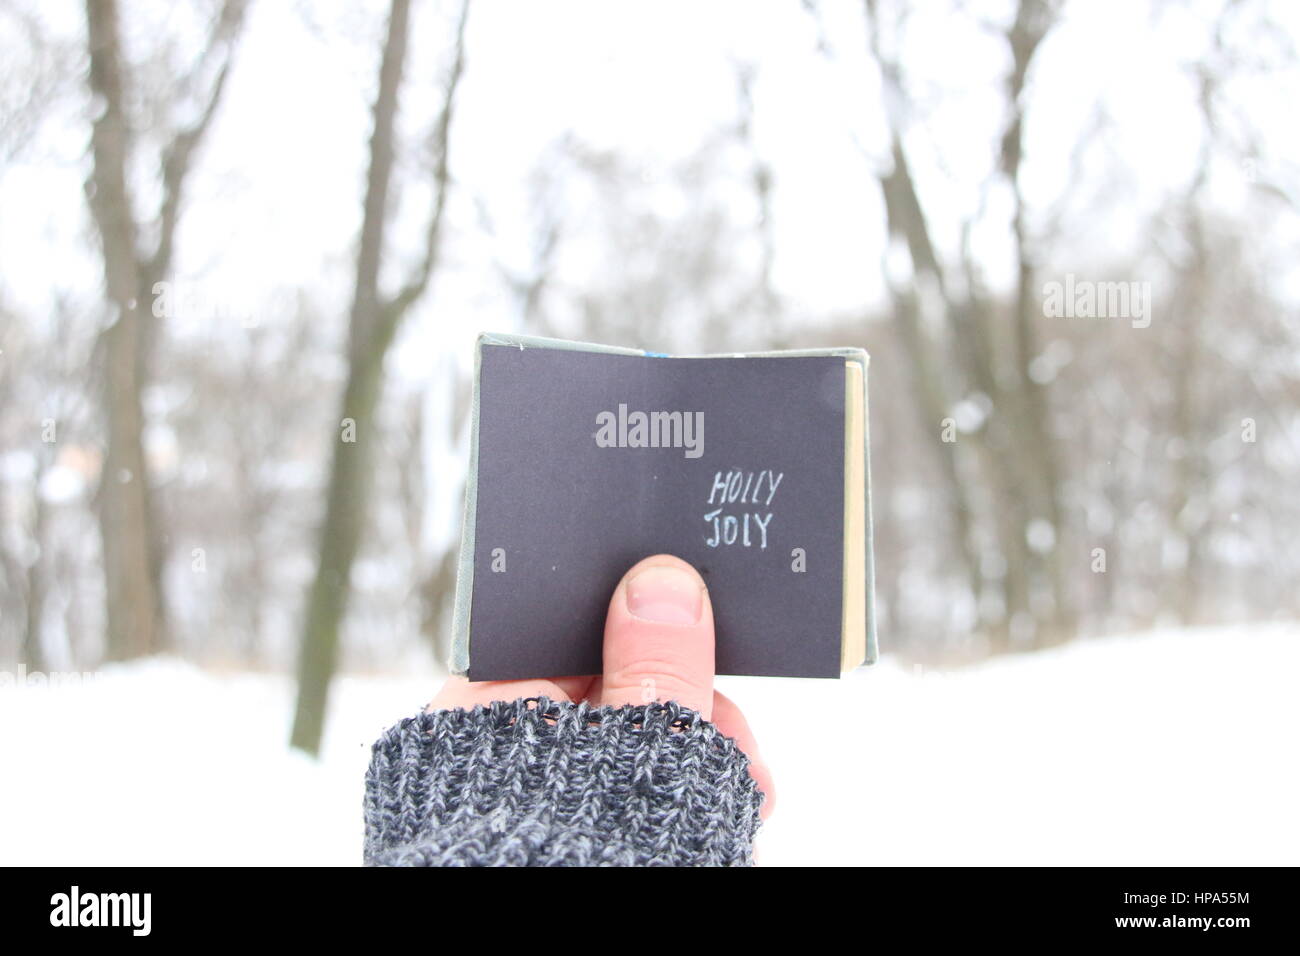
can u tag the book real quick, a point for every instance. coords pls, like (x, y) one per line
(586, 458)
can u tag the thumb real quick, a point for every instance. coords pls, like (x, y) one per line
(659, 637)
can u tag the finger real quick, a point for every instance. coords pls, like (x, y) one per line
(465, 694)
(659, 637)
(728, 719)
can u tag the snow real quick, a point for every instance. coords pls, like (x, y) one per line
(1164, 748)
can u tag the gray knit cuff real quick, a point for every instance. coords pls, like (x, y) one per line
(542, 783)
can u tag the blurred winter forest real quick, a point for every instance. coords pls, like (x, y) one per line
(245, 248)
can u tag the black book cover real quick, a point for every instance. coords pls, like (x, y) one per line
(747, 484)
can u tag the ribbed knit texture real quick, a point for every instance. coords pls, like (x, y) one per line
(542, 783)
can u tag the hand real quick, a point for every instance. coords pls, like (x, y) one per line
(658, 646)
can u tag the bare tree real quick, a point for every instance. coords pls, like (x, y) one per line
(374, 322)
(132, 553)
(906, 223)
(1015, 445)
(1041, 470)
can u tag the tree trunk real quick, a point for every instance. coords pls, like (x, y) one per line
(349, 480)
(125, 510)
(33, 652)
(1032, 402)
(345, 510)
(905, 219)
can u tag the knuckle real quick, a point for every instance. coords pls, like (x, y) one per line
(660, 680)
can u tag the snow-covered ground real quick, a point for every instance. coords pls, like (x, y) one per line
(1163, 748)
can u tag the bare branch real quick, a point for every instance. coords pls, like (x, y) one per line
(396, 307)
(178, 156)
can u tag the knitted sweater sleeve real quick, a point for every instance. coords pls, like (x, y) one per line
(543, 783)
